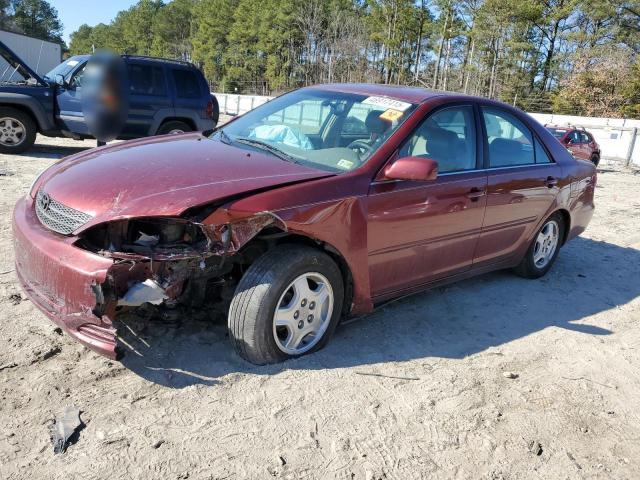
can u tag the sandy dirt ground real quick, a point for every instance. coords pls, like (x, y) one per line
(414, 390)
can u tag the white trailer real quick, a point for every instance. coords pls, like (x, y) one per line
(40, 55)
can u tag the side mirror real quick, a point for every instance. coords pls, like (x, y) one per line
(568, 141)
(60, 80)
(412, 168)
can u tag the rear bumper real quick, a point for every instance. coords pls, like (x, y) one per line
(62, 280)
(204, 124)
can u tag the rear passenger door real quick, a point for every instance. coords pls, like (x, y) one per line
(587, 145)
(576, 145)
(522, 185)
(189, 94)
(148, 97)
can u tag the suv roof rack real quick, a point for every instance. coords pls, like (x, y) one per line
(158, 59)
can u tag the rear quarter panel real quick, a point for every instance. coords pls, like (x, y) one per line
(580, 201)
(579, 175)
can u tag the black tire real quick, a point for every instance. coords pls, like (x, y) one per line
(251, 314)
(595, 159)
(527, 267)
(174, 126)
(28, 137)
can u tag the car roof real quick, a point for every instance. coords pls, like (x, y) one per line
(159, 60)
(84, 57)
(406, 94)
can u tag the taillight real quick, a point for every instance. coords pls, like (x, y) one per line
(209, 111)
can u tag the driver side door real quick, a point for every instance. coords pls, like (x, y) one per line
(69, 103)
(422, 231)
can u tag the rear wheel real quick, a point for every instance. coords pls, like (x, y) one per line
(287, 304)
(17, 131)
(595, 158)
(174, 127)
(544, 249)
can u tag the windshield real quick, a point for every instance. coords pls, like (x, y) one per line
(63, 69)
(558, 132)
(331, 131)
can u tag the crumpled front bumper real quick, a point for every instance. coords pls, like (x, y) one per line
(62, 280)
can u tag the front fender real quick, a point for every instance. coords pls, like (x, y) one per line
(45, 122)
(340, 222)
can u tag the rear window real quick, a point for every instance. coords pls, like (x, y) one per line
(146, 80)
(187, 85)
(558, 132)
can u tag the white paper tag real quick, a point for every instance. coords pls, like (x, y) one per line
(387, 103)
(72, 63)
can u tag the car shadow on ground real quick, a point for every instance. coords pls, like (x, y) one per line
(449, 322)
(44, 150)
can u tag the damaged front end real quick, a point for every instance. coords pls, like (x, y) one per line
(174, 262)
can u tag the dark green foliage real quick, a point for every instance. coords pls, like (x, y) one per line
(36, 18)
(526, 52)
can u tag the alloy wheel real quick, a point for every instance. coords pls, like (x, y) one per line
(303, 313)
(12, 131)
(546, 244)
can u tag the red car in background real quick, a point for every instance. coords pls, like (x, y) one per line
(319, 204)
(578, 141)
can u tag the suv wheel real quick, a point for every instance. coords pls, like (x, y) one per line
(287, 304)
(173, 127)
(544, 249)
(595, 159)
(17, 131)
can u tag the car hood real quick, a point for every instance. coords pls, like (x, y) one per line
(164, 176)
(16, 62)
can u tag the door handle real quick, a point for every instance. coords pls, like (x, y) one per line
(475, 193)
(551, 182)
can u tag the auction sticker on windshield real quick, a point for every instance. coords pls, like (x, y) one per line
(387, 103)
(391, 115)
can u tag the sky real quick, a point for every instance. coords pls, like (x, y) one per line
(73, 13)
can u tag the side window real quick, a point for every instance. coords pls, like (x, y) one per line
(76, 79)
(510, 141)
(146, 80)
(585, 137)
(448, 136)
(187, 85)
(541, 153)
(575, 137)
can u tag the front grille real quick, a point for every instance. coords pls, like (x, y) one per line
(58, 217)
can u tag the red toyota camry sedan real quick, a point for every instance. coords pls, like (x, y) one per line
(317, 205)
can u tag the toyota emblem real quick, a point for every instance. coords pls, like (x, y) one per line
(45, 201)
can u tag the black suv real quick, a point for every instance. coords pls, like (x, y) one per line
(166, 96)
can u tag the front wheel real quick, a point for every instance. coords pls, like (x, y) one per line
(595, 159)
(17, 131)
(544, 249)
(287, 304)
